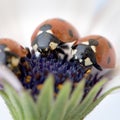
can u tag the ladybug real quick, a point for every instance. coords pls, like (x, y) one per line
(10, 52)
(94, 50)
(54, 35)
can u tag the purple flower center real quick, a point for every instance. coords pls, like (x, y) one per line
(34, 70)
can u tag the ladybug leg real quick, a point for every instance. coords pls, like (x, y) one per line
(43, 52)
(65, 58)
(95, 64)
(28, 52)
(72, 59)
(83, 62)
(63, 46)
(92, 57)
(59, 50)
(74, 47)
(55, 53)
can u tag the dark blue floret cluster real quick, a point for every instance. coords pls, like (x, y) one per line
(35, 69)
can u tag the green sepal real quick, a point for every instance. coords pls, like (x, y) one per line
(29, 107)
(66, 106)
(9, 105)
(99, 99)
(14, 99)
(58, 110)
(20, 104)
(45, 98)
(75, 98)
(77, 113)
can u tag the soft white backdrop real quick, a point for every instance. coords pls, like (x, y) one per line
(19, 18)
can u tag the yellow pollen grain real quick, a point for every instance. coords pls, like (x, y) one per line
(39, 87)
(60, 86)
(28, 78)
(87, 73)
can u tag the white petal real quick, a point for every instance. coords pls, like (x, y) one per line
(7, 75)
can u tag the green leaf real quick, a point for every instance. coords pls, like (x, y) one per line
(77, 113)
(97, 101)
(9, 104)
(29, 107)
(45, 99)
(14, 98)
(75, 98)
(59, 108)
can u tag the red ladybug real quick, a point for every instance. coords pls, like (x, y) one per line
(53, 34)
(14, 47)
(94, 50)
(10, 52)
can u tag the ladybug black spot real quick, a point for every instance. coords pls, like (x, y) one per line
(70, 33)
(45, 27)
(93, 42)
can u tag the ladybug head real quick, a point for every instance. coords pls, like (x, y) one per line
(81, 52)
(85, 53)
(45, 39)
(7, 57)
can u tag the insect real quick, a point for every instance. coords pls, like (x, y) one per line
(10, 52)
(53, 35)
(94, 50)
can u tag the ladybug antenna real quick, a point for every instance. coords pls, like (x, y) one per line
(97, 66)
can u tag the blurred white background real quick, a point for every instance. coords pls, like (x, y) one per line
(19, 18)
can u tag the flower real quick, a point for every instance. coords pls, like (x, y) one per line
(34, 70)
(71, 96)
(103, 22)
